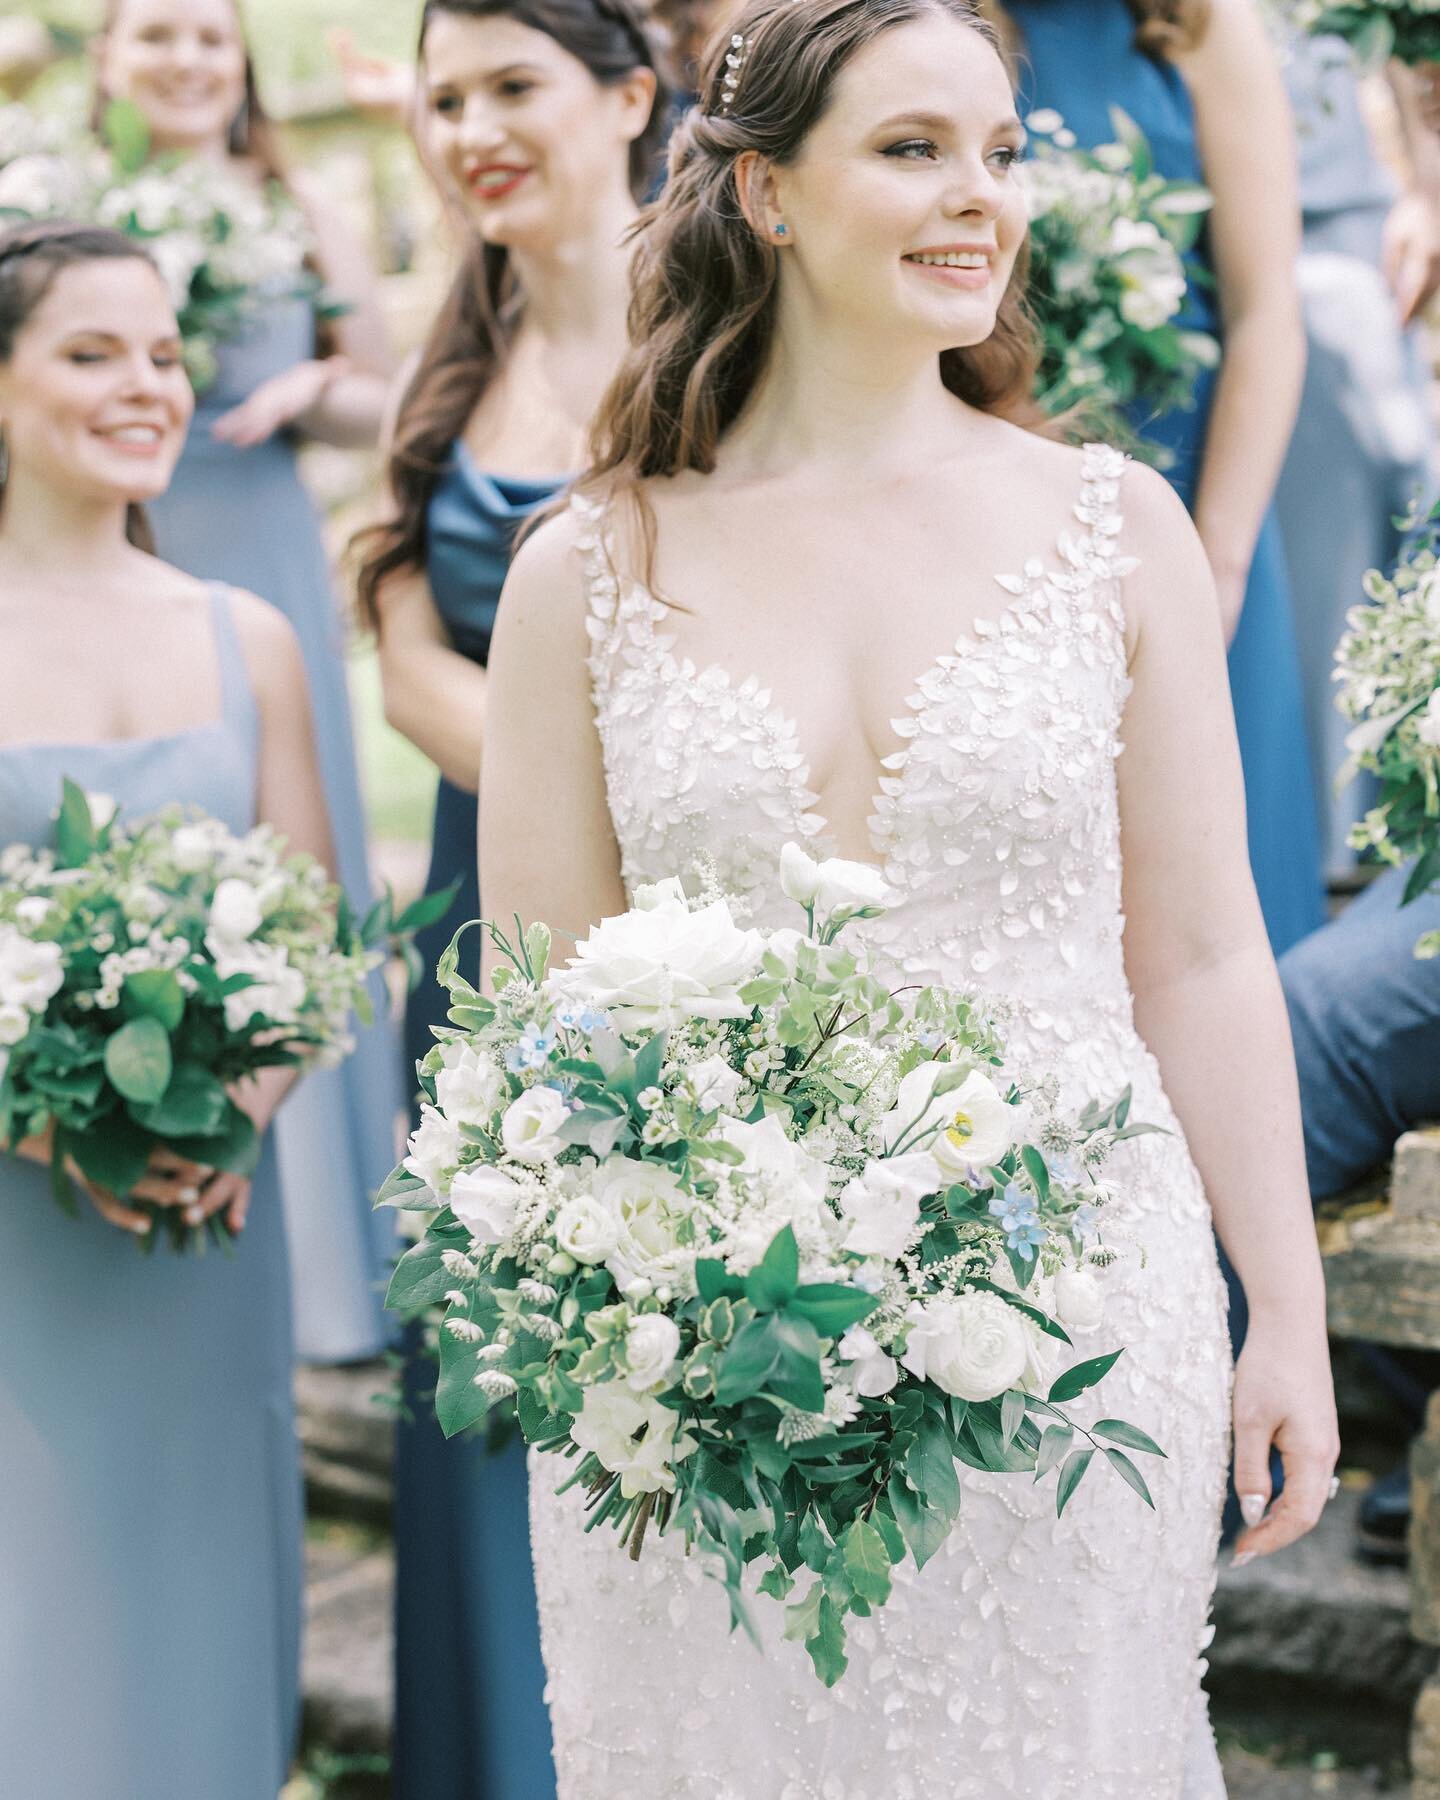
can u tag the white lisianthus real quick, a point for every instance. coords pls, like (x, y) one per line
(235, 911)
(14, 1023)
(969, 1127)
(648, 1207)
(652, 1345)
(654, 968)
(586, 1230)
(484, 1199)
(883, 1204)
(974, 1345)
(31, 973)
(830, 885)
(714, 1084)
(633, 1436)
(530, 1128)
(774, 1162)
(468, 1086)
(1079, 1299)
(874, 1370)
(277, 991)
(433, 1150)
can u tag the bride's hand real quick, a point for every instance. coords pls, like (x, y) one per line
(1283, 1396)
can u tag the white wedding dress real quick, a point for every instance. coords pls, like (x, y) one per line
(1032, 1658)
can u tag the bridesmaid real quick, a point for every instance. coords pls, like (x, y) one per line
(542, 119)
(237, 512)
(1201, 81)
(150, 1505)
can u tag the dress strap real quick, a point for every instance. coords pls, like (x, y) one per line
(237, 695)
(620, 616)
(1094, 558)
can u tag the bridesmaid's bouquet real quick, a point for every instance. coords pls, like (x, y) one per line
(761, 1248)
(1108, 236)
(224, 245)
(1388, 669)
(145, 969)
(1376, 29)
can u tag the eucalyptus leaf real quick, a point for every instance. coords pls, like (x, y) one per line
(1129, 1474)
(138, 1061)
(1129, 1435)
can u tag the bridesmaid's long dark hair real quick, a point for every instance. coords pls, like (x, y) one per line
(31, 258)
(477, 322)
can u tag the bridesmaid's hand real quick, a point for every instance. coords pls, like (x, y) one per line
(1283, 1396)
(278, 402)
(1412, 252)
(169, 1181)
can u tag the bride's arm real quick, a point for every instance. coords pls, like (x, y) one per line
(1208, 1002)
(547, 847)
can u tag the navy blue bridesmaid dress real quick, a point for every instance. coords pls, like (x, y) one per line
(1080, 58)
(470, 1718)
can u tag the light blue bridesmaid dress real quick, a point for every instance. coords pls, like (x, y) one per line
(243, 517)
(1079, 57)
(150, 1502)
(470, 1718)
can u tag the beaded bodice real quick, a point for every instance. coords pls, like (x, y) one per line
(996, 818)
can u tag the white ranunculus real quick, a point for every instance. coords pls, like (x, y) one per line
(883, 1204)
(652, 1345)
(1079, 1299)
(633, 1436)
(875, 1370)
(433, 1150)
(648, 1207)
(468, 1086)
(484, 1199)
(586, 1230)
(715, 1084)
(235, 911)
(974, 1345)
(656, 968)
(530, 1129)
(969, 1127)
(830, 885)
(31, 973)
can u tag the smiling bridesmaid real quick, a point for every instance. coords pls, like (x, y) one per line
(542, 119)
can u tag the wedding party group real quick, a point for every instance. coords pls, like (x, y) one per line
(907, 544)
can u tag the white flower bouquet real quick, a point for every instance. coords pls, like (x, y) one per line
(1388, 669)
(147, 968)
(223, 244)
(1376, 29)
(1108, 237)
(761, 1248)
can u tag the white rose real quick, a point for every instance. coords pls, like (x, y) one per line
(433, 1149)
(883, 1204)
(969, 1127)
(655, 968)
(875, 1372)
(235, 911)
(1079, 1299)
(974, 1345)
(531, 1126)
(652, 1345)
(484, 1199)
(585, 1230)
(633, 1436)
(468, 1087)
(714, 1083)
(647, 1206)
(830, 885)
(778, 1165)
(1427, 728)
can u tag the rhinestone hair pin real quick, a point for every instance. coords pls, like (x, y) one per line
(734, 63)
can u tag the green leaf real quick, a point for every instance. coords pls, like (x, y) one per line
(458, 1402)
(1129, 1474)
(1035, 1166)
(890, 1532)
(924, 1529)
(713, 1280)
(75, 834)
(194, 1105)
(813, 1544)
(1033, 1313)
(399, 1188)
(832, 1307)
(747, 1363)
(827, 1647)
(867, 1562)
(1012, 1414)
(114, 1153)
(796, 1375)
(772, 1283)
(802, 1617)
(138, 1062)
(1055, 1442)
(154, 994)
(235, 1146)
(1130, 1435)
(429, 909)
(649, 1060)
(420, 1277)
(775, 1582)
(931, 1467)
(1083, 1375)
(1075, 1466)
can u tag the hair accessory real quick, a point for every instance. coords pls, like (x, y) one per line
(734, 63)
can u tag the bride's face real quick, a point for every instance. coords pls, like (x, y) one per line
(903, 209)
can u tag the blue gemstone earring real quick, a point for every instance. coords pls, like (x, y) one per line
(782, 230)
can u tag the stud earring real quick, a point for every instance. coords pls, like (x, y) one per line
(782, 231)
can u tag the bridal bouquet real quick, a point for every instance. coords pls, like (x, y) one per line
(146, 968)
(223, 245)
(1388, 669)
(1377, 29)
(761, 1248)
(1107, 274)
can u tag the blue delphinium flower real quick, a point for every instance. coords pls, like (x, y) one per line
(1019, 1218)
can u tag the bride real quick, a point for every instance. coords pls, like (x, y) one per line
(828, 581)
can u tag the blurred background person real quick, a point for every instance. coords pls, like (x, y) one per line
(542, 120)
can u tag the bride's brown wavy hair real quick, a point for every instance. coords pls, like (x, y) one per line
(702, 316)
